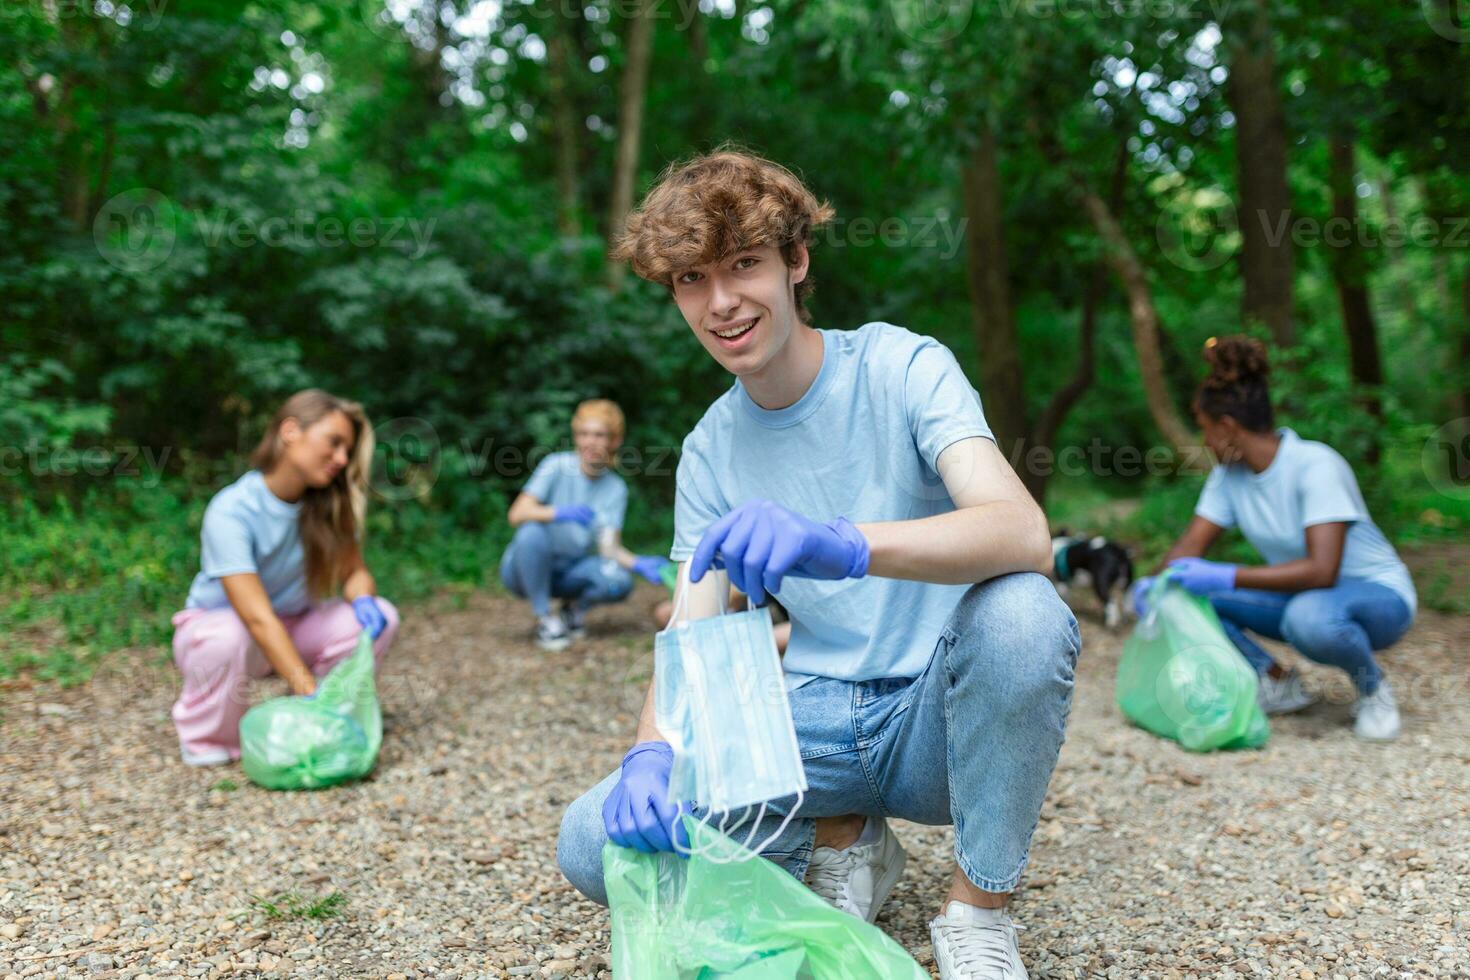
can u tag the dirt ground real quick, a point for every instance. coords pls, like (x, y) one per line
(1319, 856)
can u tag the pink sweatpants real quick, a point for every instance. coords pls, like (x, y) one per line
(214, 651)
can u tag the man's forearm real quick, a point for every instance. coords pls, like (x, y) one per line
(972, 544)
(647, 730)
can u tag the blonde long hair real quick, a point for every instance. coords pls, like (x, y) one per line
(332, 517)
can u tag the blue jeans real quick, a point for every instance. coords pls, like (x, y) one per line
(1340, 626)
(971, 742)
(530, 570)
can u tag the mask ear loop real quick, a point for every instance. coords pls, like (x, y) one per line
(747, 852)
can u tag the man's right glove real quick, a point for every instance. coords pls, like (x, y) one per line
(637, 813)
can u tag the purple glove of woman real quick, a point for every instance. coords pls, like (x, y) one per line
(1203, 577)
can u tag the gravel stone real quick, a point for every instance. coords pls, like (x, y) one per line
(1317, 856)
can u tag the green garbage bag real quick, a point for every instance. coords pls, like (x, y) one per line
(669, 572)
(1182, 678)
(295, 743)
(701, 919)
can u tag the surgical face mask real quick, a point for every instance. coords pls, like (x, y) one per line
(720, 700)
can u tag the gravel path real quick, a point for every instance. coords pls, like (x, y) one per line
(1317, 857)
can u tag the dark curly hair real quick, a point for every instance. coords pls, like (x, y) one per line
(1236, 385)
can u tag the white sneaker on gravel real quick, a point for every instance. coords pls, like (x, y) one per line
(972, 943)
(1278, 696)
(1378, 715)
(858, 878)
(551, 633)
(205, 757)
(575, 619)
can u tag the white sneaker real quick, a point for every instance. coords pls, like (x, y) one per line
(575, 620)
(551, 633)
(858, 878)
(1278, 696)
(1378, 715)
(976, 944)
(209, 757)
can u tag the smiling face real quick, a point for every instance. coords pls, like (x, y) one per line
(319, 451)
(742, 307)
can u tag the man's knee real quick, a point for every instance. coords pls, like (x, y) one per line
(579, 844)
(1017, 630)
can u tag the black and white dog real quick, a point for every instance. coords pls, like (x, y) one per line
(1076, 560)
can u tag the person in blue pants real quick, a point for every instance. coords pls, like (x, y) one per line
(851, 473)
(1333, 587)
(568, 539)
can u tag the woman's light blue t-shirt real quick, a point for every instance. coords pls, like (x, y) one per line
(862, 443)
(249, 529)
(559, 481)
(1307, 483)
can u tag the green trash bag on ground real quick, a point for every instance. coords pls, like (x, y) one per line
(714, 917)
(293, 743)
(1182, 678)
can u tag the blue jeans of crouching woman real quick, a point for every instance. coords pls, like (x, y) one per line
(530, 570)
(972, 742)
(1340, 626)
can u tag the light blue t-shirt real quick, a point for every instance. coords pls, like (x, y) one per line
(249, 529)
(862, 443)
(1307, 483)
(559, 481)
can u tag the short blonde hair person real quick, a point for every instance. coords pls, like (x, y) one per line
(602, 410)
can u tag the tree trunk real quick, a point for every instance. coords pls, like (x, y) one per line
(1399, 283)
(988, 274)
(564, 122)
(1351, 277)
(1266, 255)
(639, 48)
(1144, 316)
(1465, 349)
(1068, 395)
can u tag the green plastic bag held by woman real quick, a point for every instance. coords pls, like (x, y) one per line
(328, 738)
(1182, 678)
(724, 914)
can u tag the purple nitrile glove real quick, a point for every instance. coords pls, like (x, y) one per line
(761, 542)
(1203, 577)
(1138, 595)
(637, 813)
(370, 615)
(575, 513)
(650, 567)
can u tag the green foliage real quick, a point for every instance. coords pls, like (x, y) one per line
(207, 207)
